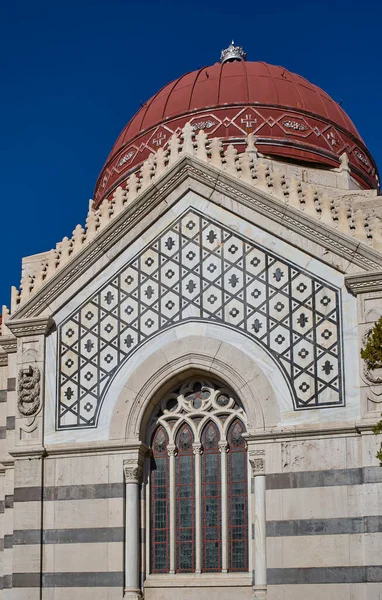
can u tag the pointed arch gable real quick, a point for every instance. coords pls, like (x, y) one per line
(200, 270)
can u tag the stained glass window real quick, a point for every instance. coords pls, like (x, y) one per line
(211, 500)
(197, 415)
(185, 502)
(160, 504)
(237, 499)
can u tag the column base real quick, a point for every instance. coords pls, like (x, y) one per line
(130, 594)
(260, 592)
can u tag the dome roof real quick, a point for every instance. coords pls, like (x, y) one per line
(289, 116)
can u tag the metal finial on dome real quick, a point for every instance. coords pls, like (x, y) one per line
(232, 53)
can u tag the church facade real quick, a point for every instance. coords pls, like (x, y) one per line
(184, 410)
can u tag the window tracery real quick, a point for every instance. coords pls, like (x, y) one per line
(199, 473)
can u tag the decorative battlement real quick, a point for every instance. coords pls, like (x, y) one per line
(362, 224)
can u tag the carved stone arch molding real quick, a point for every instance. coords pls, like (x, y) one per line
(189, 351)
(199, 270)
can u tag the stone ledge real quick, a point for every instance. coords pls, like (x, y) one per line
(364, 282)
(181, 580)
(27, 327)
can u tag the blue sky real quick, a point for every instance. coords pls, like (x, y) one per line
(73, 73)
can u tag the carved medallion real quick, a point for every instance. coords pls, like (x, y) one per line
(28, 401)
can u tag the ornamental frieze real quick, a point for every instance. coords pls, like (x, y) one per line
(272, 126)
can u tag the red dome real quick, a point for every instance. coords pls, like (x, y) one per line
(289, 116)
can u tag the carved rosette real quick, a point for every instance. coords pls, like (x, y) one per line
(133, 473)
(28, 401)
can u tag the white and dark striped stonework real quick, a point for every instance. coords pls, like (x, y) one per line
(195, 280)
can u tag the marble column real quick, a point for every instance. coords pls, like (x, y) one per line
(133, 475)
(223, 449)
(257, 462)
(172, 452)
(197, 450)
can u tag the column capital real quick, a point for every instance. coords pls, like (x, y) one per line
(197, 448)
(223, 446)
(172, 450)
(133, 471)
(257, 462)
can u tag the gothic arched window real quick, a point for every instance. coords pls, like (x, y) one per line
(198, 482)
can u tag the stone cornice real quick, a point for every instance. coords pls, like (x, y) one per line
(364, 282)
(28, 452)
(192, 169)
(362, 427)
(8, 343)
(7, 463)
(27, 327)
(106, 447)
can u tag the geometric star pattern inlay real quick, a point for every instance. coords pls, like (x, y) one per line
(198, 269)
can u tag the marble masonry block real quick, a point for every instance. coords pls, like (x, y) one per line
(364, 499)
(81, 558)
(115, 468)
(366, 549)
(27, 515)
(320, 591)
(274, 505)
(316, 503)
(88, 513)
(273, 458)
(26, 558)
(275, 553)
(315, 551)
(115, 556)
(83, 593)
(373, 592)
(115, 512)
(28, 473)
(369, 448)
(20, 593)
(311, 455)
(82, 470)
(275, 592)
(355, 451)
(48, 515)
(50, 471)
